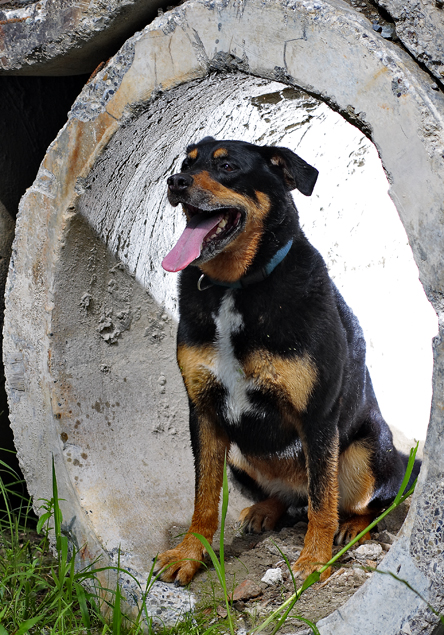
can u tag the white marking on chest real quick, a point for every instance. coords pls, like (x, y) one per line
(228, 369)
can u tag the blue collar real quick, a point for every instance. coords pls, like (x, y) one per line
(252, 278)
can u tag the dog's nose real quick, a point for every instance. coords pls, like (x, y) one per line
(179, 182)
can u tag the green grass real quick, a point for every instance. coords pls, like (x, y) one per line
(38, 593)
(44, 594)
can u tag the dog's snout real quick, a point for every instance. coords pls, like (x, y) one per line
(179, 182)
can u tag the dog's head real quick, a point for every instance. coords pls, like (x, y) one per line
(231, 193)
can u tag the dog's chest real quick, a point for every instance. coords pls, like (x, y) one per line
(227, 367)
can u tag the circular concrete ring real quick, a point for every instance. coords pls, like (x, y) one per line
(322, 47)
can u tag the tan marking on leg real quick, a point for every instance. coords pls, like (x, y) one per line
(278, 476)
(322, 524)
(196, 364)
(294, 378)
(180, 564)
(353, 526)
(356, 488)
(356, 481)
(262, 516)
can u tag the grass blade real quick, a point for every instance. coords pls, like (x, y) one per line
(57, 511)
(81, 599)
(214, 559)
(312, 578)
(407, 475)
(24, 628)
(42, 520)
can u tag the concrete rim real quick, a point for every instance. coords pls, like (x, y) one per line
(376, 86)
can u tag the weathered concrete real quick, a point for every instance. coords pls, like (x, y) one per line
(7, 226)
(54, 37)
(419, 25)
(92, 355)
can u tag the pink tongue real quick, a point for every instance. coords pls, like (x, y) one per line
(189, 245)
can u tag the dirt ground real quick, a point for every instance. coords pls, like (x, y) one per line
(249, 556)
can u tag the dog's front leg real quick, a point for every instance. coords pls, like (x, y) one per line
(209, 447)
(322, 466)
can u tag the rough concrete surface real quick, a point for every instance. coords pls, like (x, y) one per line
(89, 354)
(54, 37)
(419, 25)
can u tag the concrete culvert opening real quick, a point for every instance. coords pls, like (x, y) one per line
(91, 362)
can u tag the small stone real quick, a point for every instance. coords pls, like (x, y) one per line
(385, 546)
(386, 536)
(272, 577)
(387, 31)
(221, 611)
(368, 552)
(246, 591)
(359, 577)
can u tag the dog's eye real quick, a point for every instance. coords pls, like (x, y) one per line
(227, 167)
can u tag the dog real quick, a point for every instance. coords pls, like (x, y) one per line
(272, 358)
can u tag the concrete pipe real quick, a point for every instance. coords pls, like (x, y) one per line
(7, 225)
(89, 331)
(53, 37)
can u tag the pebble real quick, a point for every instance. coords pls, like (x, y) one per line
(272, 577)
(388, 31)
(368, 552)
(247, 590)
(386, 536)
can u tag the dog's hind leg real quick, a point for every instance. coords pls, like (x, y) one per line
(252, 473)
(262, 516)
(356, 490)
(352, 526)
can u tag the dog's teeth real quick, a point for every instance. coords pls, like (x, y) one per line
(218, 230)
(222, 223)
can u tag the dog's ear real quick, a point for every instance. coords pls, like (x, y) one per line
(207, 140)
(297, 173)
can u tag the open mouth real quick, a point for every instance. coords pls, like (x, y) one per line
(206, 234)
(228, 223)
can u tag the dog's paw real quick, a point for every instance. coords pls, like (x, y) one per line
(349, 529)
(262, 516)
(179, 565)
(309, 562)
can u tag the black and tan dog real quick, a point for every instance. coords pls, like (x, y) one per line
(272, 358)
